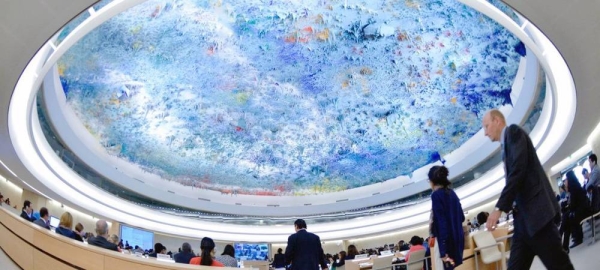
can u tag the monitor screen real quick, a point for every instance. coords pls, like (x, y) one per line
(137, 237)
(252, 251)
(54, 221)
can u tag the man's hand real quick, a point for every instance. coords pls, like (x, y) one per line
(492, 220)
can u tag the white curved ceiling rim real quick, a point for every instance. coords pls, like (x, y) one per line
(21, 133)
(460, 160)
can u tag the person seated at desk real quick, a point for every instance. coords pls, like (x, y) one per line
(184, 256)
(100, 240)
(352, 252)
(158, 249)
(207, 252)
(64, 226)
(27, 212)
(44, 218)
(115, 240)
(138, 249)
(341, 261)
(416, 244)
(482, 219)
(78, 232)
(227, 258)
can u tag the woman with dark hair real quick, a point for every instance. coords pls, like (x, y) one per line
(577, 210)
(340, 261)
(446, 221)
(279, 260)
(352, 252)
(207, 249)
(227, 258)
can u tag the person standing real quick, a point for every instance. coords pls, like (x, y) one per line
(578, 209)
(593, 183)
(304, 250)
(528, 189)
(447, 219)
(279, 260)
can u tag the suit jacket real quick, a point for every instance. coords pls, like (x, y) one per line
(183, 257)
(279, 261)
(26, 217)
(40, 222)
(304, 251)
(526, 182)
(100, 241)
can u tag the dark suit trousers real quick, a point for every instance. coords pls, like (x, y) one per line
(546, 244)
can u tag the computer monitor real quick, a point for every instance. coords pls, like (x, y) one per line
(54, 221)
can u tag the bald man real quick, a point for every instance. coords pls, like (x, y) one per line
(529, 195)
(101, 236)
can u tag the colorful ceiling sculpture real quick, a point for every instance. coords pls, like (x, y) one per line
(288, 97)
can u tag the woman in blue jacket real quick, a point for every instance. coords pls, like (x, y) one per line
(446, 221)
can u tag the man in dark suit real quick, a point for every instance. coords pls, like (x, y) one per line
(185, 255)
(27, 212)
(44, 219)
(304, 250)
(102, 234)
(528, 189)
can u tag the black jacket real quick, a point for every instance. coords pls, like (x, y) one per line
(100, 241)
(526, 182)
(304, 251)
(26, 217)
(183, 257)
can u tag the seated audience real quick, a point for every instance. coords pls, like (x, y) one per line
(138, 249)
(1, 198)
(158, 249)
(185, 254)
(403, 246)
(227, 258)
(78, 232)
(279, 260)
(207, 248)
(115, 240)
(44, 220)
(341, 260)
(352, 252)
(7, 202)
(100, 240)
(416, 244)
(27, 213)
(482, 219)
(65, 225)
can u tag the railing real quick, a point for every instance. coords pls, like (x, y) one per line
(592, 220)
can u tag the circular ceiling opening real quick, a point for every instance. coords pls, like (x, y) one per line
(288, 97)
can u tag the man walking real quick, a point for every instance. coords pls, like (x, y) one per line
(304, 250)
(529, 191)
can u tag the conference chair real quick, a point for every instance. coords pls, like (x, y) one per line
(415, 261)
(490, 250)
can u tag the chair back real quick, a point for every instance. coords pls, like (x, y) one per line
(350, 265)
(382, 263)
(415, 261)
(490, 254)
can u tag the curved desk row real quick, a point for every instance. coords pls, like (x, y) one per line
(32, 247)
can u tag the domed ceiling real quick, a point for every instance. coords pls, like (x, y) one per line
(288, 97)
